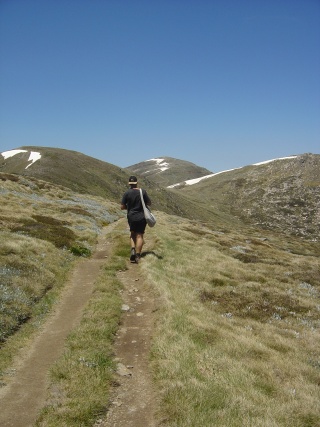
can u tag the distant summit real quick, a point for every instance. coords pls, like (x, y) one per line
(166, 171)
(280, 194)
(84, 174)
(67, 168)
(197, 180)
(29, 157)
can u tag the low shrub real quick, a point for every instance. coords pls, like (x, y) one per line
(80, 251)
(50, 229)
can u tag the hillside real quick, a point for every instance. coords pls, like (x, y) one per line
(166, 171)
(42, 227)
(71, 169)
(235, 302)
(283, 195)
(86, 175)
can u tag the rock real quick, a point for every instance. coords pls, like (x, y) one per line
(123, 371)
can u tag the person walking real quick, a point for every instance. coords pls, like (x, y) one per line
(131, 201)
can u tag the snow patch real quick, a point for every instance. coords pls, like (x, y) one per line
(160, 162)
(273, 160)
(196, 180)
(11, 153)
(34, 155)
(155, 160)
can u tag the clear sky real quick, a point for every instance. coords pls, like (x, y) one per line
(220, 83)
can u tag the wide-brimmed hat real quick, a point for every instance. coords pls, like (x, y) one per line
(133, 180)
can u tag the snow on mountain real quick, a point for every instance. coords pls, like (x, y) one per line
(273, 160)
(34, 155)
(166, 171)
(161, 163)
(196, 180)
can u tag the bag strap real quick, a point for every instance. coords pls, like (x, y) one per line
(143, 204)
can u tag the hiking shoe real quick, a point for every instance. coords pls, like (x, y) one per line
(133, 255)
(138, 256)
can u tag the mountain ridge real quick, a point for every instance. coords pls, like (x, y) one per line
(166, 169)
(85, 174)
(281, 193)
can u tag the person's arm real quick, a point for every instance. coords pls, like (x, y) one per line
(123, 204)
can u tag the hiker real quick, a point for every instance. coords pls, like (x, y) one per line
(131, 201)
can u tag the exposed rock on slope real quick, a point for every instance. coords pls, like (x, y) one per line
(283, 194)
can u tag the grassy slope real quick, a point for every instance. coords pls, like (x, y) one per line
(81, 173)
(237, 340)
(283, 195)
(87, 175)
(179, 170)
(237, 331)
(81, 379)
(42, 227)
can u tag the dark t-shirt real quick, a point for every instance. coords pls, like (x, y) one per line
(132, 200)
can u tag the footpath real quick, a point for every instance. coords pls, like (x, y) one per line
(132, 402)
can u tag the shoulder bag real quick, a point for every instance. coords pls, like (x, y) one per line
(150, 218)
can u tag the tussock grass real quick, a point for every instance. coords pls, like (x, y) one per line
(237, 343)
(81, 378)
(29, 269)
(237, 330)
(281, 195)
(42, 227)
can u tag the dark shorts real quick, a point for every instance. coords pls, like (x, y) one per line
(138, 226)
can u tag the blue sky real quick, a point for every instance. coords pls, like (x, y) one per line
(220, 83)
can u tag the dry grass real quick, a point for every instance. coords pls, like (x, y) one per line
(81, 378)
(29, 269)
(237, 333)
(42, 227)
(237, 341)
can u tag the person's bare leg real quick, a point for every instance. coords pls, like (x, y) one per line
(133, 239)
(139, 242)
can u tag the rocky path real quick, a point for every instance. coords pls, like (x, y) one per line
(133, 402)
(24, 394)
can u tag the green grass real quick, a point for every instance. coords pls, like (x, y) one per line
(29, 270)
(281, 195)
(30, 285)
(236, 340)
(82, 377)
(41, 229)
(237, 343)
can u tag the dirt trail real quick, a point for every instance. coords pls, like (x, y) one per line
(134, 402)
(24, 394)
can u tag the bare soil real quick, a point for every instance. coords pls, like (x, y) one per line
(133, 402)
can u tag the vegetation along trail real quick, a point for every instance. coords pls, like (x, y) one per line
(133, 401)
(24, 394)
